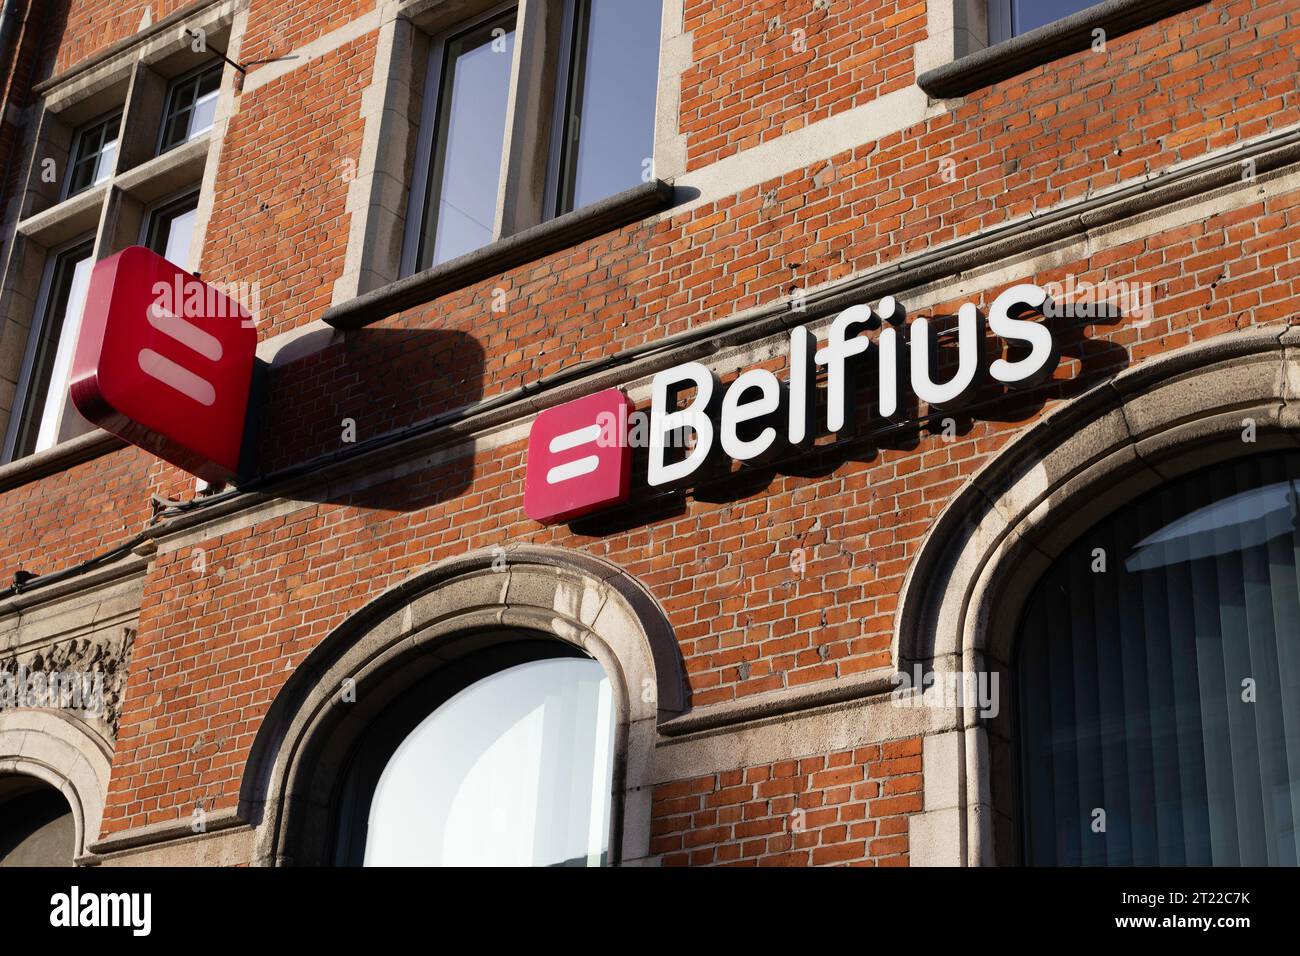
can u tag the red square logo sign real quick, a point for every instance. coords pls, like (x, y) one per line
(165, 360)
(579, 459)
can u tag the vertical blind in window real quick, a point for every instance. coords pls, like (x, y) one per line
(1159, 679)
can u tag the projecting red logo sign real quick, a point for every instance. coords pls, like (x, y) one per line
(579, 459)
(165, 361)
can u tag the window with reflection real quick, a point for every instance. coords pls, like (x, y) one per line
(45, 415)
(191, 106)
(1010, 18)
(581, 132)
(513, 768)
(465, 169)
(1158, 679)
(605, 134)
(170, 229)
(94, 153)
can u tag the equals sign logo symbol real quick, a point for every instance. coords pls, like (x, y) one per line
(579, 459)
(587, 435)
(184, 380)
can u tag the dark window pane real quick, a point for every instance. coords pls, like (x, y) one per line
(94, 154)
(611, 111)
(48, 416)
(191, 106)
(1030, 14)
(36, 827)
(1160, 688)
(465, 170)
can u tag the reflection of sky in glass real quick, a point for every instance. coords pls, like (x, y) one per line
(59, 419)
(107, 159)
(474, 136)
(616, 125)
(513, 771)
(1252, 517)
(1030, 14)
(204, 114)
(179, 232)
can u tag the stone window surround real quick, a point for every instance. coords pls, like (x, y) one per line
(958, 59)
(135, 78)
(286, 814)
(963, 595)
(393, 105)
(954, 59)
(68, 750)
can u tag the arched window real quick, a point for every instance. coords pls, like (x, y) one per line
(1158, 676)
(504, 758)
(37, 827)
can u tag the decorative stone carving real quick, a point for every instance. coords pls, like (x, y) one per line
(94, 666)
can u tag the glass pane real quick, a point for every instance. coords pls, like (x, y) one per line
(83, 174)
(171, 230)
(179, 233)
(1030, 14)
(48, 414)
(107, 159)
(205, 110)
(191, 107)
(612, 101)
(1159, 688)
(466, 169)
(175, 129)
(96, 154)
(515, 770)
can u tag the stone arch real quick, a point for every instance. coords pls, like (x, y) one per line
(965, 591)
(64, 753)
(299, 754)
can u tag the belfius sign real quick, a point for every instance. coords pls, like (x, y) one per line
(165, 361)
(758, 409)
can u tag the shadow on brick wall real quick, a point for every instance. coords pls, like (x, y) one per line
(365, 387)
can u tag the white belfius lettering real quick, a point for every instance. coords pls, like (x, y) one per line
(756, 394)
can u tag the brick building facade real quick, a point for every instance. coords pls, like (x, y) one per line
(1138, 161)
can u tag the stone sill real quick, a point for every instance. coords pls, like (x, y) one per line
(778, 703)
(61, 456)
(67, 219)
(1047, 43)
(504, 254)
(168, 172)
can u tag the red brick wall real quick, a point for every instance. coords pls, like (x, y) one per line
(764, 69)
(79, 512)
(847, 807)
(278, 217)
(84, 27)
(275, 28)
